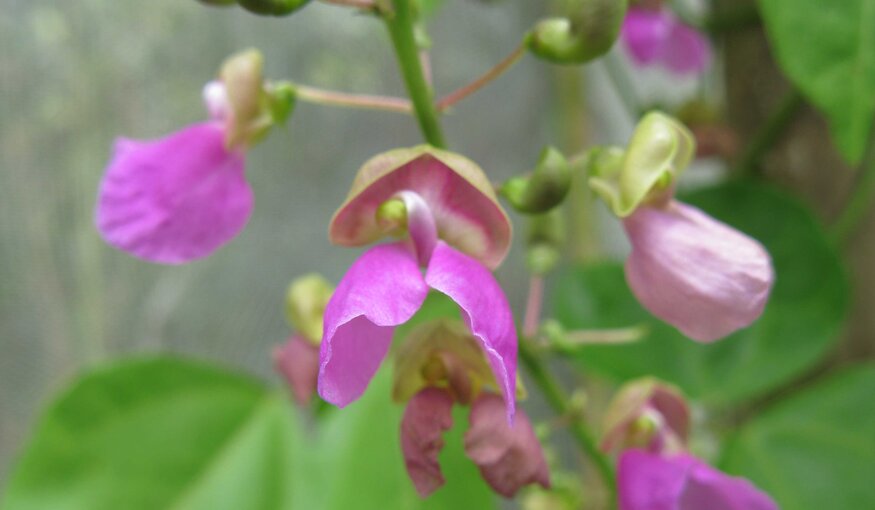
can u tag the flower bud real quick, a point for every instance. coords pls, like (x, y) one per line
(297, 361)
(218, 3)
(272, 7)
(648, 414)
(546, 188)
(545, 241)
(306, 299)
(587, 33)
(660, 149)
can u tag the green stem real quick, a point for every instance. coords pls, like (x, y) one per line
(622, 84)
(860, 202)
(560, 403)
(769, 133)
(400, 25)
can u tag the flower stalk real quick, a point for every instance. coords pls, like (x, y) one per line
(500, 68)
(343, 99)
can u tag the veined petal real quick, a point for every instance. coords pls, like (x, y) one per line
(644, 33)
(427, 416)
(509, 456)
(382, 289)
(648, 481)
(458, 193)
(175, 199)
(485, 311)
(698, 274)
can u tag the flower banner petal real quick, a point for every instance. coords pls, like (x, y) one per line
(175, 199)
(382, 289)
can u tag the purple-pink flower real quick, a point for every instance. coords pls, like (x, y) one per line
(658, 37)
(698, 274)
(297, 361)
(649, 481)
(417, 192)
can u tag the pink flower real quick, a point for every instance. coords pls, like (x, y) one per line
(657, 37)
(509, 456)
(649, 414)
(181, 197)
(297, 361)
(701, 276)
(648, 481)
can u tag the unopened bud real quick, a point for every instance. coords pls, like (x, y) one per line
(546, 188)
(218, 3)
(305, 305)
(659, 150)
(588, 32)
(545, 241)
(272, 7)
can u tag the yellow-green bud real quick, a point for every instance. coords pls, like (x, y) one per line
(306, 299)
(588, 32)
(544, 189)
(545, 240)
(272, 7)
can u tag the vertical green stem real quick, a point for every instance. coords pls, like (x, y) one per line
(860, 201)
(769, 133)
(400, 25)
(559, 401)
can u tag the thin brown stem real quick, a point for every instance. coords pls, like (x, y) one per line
(365, 101)
(487, 77)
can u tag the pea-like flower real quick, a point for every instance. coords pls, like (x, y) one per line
(700, 275)
(181, 197)
(649, 481)
(445, 206)
(655, 36)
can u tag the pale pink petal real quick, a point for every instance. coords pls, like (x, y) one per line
(298, 362)
(382, 289)
(175, 199)
(509, 456)
(648, 481)
(699, 275)
(485, 311)
(427, 416)
(661, 404)
(645, 32)
(686, 50)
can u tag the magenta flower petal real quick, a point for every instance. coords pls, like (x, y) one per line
(485, 311)
(298, 362)
(649, 481)
(175, 199)
(686, 50)
(427, 416)
(644, 33)
(382, 289)
(509, 456)
(699, 275)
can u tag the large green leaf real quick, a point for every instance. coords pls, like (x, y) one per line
(168, 433)
(159, 433)
(828, 51)
(815, 450)
(801, 320)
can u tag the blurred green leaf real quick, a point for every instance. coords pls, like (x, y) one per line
(800, 323)
(816, 449)
(828, 51)
(159, 433)
(168, 433)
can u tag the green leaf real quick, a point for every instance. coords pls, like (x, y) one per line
(816, 449)
(828, 51)
(800, 322)
(159, 433)
(169, 433)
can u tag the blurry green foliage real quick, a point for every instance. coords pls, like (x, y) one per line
(815, 450)
(168, 433)
(800, 322)
(828, 51)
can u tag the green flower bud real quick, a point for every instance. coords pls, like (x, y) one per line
(587, 33)
(546, 188)
(305, 305)
(281, 101)
(660, 149)
(272, 7)
(545, 240)
(218, 3)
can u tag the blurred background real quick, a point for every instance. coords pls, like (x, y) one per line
(75, 75)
